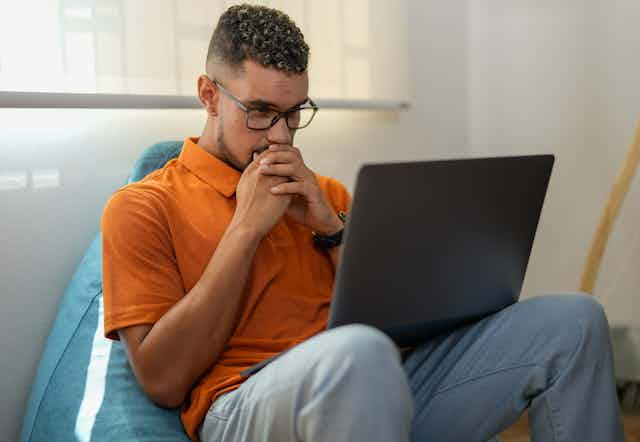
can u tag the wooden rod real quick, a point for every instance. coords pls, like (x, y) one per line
(608, 217)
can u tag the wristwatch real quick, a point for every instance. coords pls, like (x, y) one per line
(326, 242)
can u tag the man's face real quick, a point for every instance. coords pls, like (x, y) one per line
(257, 88)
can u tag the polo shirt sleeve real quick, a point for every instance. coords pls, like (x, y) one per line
(140, 275)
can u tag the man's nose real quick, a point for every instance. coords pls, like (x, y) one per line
(279, 133)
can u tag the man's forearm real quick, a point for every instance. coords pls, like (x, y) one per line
(189, 338)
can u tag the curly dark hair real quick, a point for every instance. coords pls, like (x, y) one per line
(262, 34)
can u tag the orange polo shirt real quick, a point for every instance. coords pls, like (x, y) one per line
(159, 235)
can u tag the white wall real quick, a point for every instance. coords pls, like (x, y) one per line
(44, 231)
(527, 95)
(561, 76)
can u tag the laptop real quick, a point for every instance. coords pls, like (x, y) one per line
(431, 246)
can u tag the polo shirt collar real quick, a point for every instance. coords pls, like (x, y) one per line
(209, 168)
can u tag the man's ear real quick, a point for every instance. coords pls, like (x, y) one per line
(208, 93)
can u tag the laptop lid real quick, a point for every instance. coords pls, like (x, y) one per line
(431, 245)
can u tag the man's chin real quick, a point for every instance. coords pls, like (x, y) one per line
(235, 166)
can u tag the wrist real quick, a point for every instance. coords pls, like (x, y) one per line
(332, 227)
(333, 236)
(245, 231)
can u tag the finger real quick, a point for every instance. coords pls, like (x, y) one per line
(279, 147)
(279, 157)
(287, 169)
(292, 188)
(254, 159)
(255, 156)
(284, 147)
(258, 156)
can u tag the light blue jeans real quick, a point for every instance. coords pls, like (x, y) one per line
(551, 354)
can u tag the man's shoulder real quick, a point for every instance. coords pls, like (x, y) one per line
(152, 190)
(147, 197)
(138, 195)
(135, 212)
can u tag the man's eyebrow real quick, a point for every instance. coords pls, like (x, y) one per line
(262, 104)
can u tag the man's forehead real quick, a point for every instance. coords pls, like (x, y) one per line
(280, 89)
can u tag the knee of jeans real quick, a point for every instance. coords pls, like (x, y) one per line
(363, 345)
(587, 313)
(593, 317)
(363, 357)
(356, 365)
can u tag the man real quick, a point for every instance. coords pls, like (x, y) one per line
(210, 269)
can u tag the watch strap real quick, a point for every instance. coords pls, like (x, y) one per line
(326, 242)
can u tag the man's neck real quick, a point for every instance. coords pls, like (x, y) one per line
(208, 139)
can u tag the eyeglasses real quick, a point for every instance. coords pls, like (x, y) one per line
(298, 117)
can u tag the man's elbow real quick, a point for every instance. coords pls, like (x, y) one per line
(163, 393)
